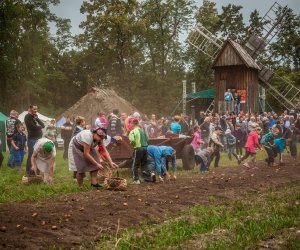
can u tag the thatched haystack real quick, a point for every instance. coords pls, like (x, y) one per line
(98, 100)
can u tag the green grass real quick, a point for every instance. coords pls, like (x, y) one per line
(236, 225)
(12, 189)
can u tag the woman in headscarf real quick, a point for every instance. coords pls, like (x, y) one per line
(83, 156)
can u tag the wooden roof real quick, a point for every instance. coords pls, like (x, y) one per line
(234, 54)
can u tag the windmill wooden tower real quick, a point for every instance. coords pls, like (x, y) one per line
(235, 66)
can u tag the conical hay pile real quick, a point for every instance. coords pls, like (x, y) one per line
(98, 100)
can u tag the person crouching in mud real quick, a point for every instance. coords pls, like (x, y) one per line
(158, 159)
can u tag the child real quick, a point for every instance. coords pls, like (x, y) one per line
(51, 132)
(240, 136)
(231, 144)
(80, 125)
(197, 142)
(291, 139)
(268, 142)
(175, 127)
(139, 142)
(280, 146)
(19, 146)
(251, 144)
(202, 157)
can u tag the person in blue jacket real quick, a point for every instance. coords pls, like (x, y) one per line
(157, 160)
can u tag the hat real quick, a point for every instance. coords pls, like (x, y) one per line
(136, 115)
(48, 146)
(228, 131)
(99, 131)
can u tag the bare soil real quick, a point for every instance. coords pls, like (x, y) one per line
(71, 220)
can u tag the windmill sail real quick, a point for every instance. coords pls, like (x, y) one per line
(287, 94)
(203, 40)
(255, 45)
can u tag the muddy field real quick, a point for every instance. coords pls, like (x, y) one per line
(71, 220)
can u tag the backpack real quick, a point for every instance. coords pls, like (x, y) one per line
(263, 140)
(10, 126)
(231, 140)
(144, 140)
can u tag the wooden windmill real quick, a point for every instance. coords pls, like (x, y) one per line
(235, 66)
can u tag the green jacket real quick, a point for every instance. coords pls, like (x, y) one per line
(138, 138)
(269, 140)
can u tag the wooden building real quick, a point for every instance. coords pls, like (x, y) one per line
(236, 70)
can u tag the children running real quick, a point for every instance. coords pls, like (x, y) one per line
(268, 142)
(230, 141)
(251, 145)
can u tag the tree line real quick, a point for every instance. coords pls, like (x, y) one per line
(134, 47)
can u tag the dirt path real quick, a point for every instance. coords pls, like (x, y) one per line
(71, 220)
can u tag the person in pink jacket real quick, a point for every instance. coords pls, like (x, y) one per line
(197, 141)
(251, 145)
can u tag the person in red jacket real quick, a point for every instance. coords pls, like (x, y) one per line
(251, 145)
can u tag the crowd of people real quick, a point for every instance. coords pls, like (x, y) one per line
(239, 135)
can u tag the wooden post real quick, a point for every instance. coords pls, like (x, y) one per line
(184, 96)
(193, 115)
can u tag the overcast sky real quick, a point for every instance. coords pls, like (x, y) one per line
(71, 9)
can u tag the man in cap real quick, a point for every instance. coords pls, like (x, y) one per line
(43, 158)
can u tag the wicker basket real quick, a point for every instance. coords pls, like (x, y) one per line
(32, 179)
(116, 184)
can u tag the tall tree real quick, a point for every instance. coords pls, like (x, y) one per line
(111, 31)
(255, 24)
(231, 23)
(286, 49)
(164, 21)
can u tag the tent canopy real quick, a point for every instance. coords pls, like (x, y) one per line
(204, 94)
(60, 121)
(3, 118)
(43, 118)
